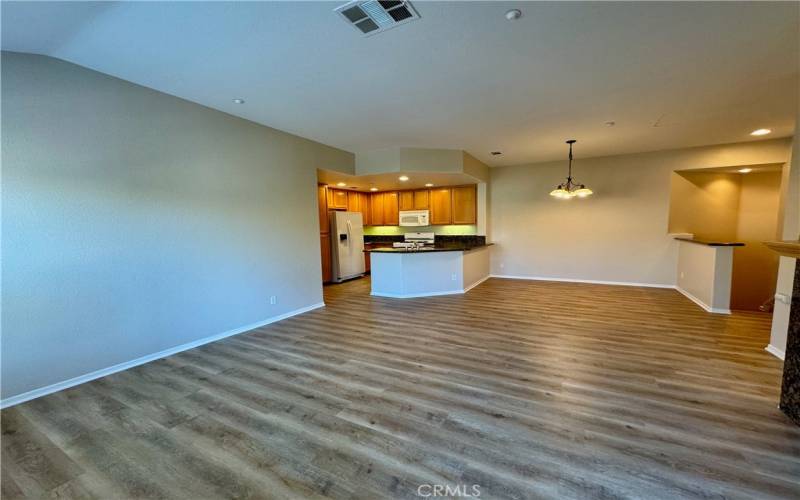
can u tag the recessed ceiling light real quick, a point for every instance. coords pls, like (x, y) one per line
(513, 14)
(238, 101)
(745, 170)
(496, 153)
(341, 184)
(373, 189)
(610, 123)
(403, 178)
(429, 185)
(761, 131)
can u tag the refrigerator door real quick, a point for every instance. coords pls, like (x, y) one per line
(348, 245)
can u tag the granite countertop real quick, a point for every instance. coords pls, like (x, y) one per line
(711, 243)
(428, 249)
(443, 243)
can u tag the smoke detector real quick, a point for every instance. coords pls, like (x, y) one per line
(374, 16)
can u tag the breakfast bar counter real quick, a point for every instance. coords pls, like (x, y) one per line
(404, 273)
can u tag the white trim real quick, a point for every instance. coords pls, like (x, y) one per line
(66, 384)
(708, 308)
(573, 280)
(429, 294)
(412, 295)
(467, 289)
(775, 352)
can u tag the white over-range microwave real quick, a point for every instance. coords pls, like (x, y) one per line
(414, 218)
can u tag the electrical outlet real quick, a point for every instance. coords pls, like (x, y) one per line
(502, 265)
(782, 297)
(681, 274)
(273, 299)
(454, 277)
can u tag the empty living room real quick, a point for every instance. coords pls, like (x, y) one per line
(399, 249)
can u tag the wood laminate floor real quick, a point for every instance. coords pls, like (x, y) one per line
(526, 389)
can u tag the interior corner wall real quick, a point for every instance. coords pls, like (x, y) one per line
(755, 267)
(134, 222)
(620, 233)
(705, 204)
(789, 230)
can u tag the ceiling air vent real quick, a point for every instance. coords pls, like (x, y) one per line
(373, 16)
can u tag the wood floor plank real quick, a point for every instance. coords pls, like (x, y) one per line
(526, 389)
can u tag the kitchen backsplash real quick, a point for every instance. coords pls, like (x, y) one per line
(465, 230)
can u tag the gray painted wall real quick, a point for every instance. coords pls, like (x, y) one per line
(134, 221)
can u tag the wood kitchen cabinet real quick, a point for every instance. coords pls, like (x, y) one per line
(447, 205)
(465, 205)
(376, 209)
(421, 199)
(441, 206)
(324, 232)
(406, 200)
(322, 203)
(391, 205)
(337, 199)
(414, 200)
(353, 201)
(325, 252)
(364, 205)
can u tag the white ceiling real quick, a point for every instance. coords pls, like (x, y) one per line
(462, 77)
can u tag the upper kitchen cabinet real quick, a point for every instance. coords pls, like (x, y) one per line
(465, 206)
(364, 204)
(422, 199)
(322, 203)
(406, 200)
(441, 206)
(376, 209)
(391, 205)
(337, 199)
(353, 201)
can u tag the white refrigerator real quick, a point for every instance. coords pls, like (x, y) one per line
(347, 245)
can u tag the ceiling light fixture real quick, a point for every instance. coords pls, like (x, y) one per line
(341, 184)
(761, 131)
(429, 185)
(745, 170)
(513, 14)
(373, 189)
(570, 189)
(496, 153)
(403, 178)
(238, 101)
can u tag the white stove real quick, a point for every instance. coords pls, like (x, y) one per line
(415, 240)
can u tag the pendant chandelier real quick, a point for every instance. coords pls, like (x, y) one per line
(570, 189)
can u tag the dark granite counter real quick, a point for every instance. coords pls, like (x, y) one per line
(712, 243)
(453, 247)
(442, 243)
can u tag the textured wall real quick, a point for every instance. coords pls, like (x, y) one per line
(134, 221)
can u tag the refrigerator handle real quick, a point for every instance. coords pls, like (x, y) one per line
(349, 235)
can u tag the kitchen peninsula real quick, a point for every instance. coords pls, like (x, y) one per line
(448, 267)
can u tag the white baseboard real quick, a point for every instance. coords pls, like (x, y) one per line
(573, 280)
(429, 294)
(66, 384)
(775, 352)
(708, 308)
(414, 295)
(470, 287)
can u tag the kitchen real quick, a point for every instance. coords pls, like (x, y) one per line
(413, 237)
